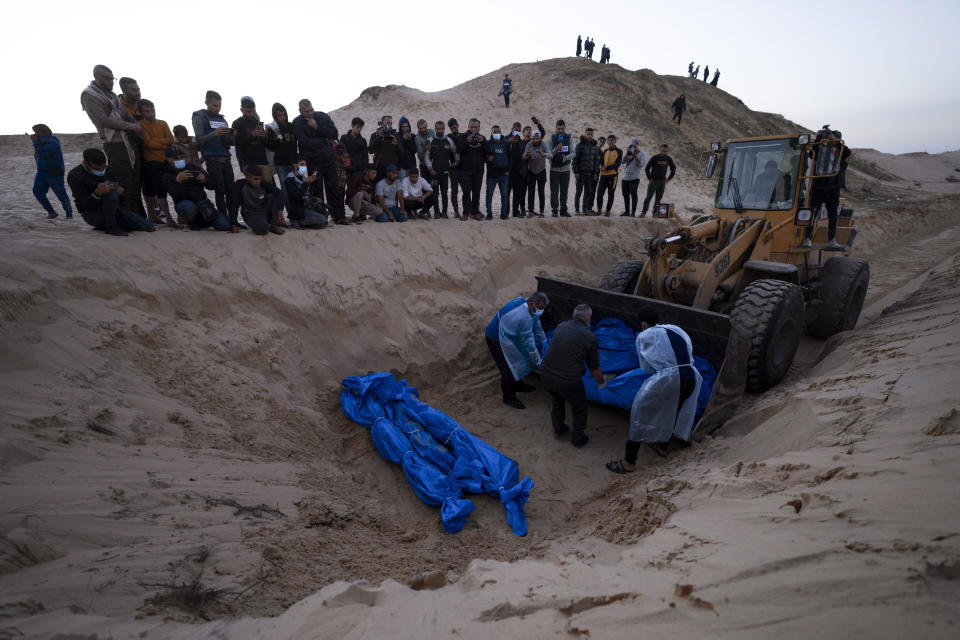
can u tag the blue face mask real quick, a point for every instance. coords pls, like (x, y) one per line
(179, 164)
(496, 136)
(302, 171)
(98, 172)
(537, 313)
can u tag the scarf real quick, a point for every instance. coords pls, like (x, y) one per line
(118, 111)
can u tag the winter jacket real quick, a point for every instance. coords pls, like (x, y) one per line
(250, 148)
(441, 154)
(586, 160)
(83, 183)
(315, 144)
(610, 161)
(473, 155)
(283, 142)
(501, 159)
(190, 189)
(357, 150)
(210, 145)
(49, 155)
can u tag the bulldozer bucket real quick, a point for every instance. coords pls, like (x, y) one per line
(714, 337)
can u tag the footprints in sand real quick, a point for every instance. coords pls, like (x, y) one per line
(947, 424)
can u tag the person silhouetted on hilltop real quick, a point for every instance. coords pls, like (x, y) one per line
(505, 89)
(696, 73)
(679, 106)
(716, 76)
(579, 46)
(690, 69)
(588, 47)
(706, 72)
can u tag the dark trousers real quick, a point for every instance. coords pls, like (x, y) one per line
(506, 99)
(126, 173)
(508, 386)
(220, 172)
(471, 183)
(455, 189)
(631, 450)
(110, 215)
(608, 185)
(331, 188)
(42, 183)
(261, 219)
(442, 179)
(563, 391)
(559, 185)
(586, 186)
(535, 181)
(654, 187)
(517, 187)
(629, 190)
(412, 206)
(678, 116)
(830, 198)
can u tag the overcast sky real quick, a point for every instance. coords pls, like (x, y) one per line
(886, 73)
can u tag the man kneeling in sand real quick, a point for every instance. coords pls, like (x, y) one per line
(258, 201)
(97, 194)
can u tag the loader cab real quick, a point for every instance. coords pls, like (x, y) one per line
(759, 175)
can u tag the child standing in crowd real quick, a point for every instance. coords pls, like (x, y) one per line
(156, 138)
(185, 142)
(50, 169)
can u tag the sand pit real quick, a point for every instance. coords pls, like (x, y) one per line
(172, 450)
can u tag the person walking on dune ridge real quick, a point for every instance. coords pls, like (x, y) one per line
(50, 169)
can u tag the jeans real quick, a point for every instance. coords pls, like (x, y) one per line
(398, 215)
(284, 171)
(402, 173)
(221, 177)
(502, 183)
(587, 187)
(470, 184)
(42, 183)
(109, 215)
(188, 210)
(535, 181)
(559, 185)
(629, 190)
(654, 187)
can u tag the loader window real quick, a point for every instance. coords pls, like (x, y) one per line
(759, 175)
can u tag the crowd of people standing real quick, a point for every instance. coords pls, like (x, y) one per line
(585, 48)
(304, 168)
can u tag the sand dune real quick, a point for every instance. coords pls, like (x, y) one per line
(173, 462)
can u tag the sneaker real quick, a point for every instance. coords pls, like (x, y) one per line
(606, 214)
(477, 217)
(624, 215)
(516, 404)
(51, 216)
(833, 244)
(643, 214)
(115, 231)
(276, 229)
(342, 221)
(489, 216)
(807, 242)
(564, 214)
(578, 440)
(239, 225)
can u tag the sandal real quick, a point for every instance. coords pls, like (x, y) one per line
(617, 467)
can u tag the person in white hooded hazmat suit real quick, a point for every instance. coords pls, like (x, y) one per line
(520, 337)
(666, 404)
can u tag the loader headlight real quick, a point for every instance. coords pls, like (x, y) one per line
(714, 146)
(663, 211)
(804, 139)
(804, 217)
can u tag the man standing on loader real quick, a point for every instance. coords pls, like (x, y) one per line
(826, 192)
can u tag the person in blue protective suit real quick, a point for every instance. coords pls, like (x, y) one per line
(666, 404)
(513, 337)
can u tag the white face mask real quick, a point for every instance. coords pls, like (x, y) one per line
(496, 136)
(302, 171)
(98, 172)
(179, 164)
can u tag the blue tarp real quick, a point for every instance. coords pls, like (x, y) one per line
(618, 354)
(437, 454)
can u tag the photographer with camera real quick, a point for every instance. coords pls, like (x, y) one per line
(185, 184)
(96, 193)
(384, 146)
(439, 154)
(473, 150)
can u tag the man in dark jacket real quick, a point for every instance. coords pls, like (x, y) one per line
(438, 156)
(473, 150)
(316, 135)
(586, 162)
(185, 184)
(356, 146)
(259, 201)
(214, 137)
(498, 172)
(453, 136)
(579, 46)
(656, 171)
(518, 172)
(250, 137)
(96, 193)
(505, 89)
(679, 106)
(573, 349)
(384, 146)
(303, 192)
(826, 191)
(50, 169)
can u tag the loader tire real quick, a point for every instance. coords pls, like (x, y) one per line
(622, 277)
(771, 313)
(843, 287)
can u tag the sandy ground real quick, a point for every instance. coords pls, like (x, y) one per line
(172, 451)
